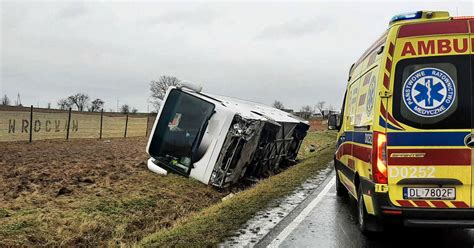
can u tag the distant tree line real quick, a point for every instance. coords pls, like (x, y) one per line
(82, 102)
(79, 101)
(308, 110)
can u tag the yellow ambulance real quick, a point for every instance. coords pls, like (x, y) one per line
(405, 133)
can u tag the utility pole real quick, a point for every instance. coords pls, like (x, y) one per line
(18, 100)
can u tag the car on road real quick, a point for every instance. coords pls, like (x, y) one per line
(405, 132)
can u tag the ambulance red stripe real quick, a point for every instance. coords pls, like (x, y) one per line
(386, 80)
(433, 28)
(388, 65)
(391, 49)
(460, 204)
(390, 117)
(439, 204)
(343, 149)
(423, 204)
(362, 153)
(405, 203)
(430, 157)
(359, 152)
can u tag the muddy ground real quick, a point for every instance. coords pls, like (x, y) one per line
(318, 124)
(89, 192)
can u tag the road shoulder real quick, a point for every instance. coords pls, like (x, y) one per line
(292, 220)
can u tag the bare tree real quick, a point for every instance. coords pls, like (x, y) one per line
(158, 88)
(5, 100)
(125, 109)
(306, 109)
(64, 104)
(134, 111)
(320, 107)
(80, 100)
(277, 104)
(96, 105)
(305, 112)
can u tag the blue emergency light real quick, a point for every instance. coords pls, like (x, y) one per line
(406, 16)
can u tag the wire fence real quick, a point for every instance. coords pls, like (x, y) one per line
(29, 124)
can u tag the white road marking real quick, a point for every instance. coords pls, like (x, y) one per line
(297, 221)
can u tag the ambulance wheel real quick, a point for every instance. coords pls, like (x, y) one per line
(368, 224)
(340, 188)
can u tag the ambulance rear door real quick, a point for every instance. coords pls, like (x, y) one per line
(429, 117)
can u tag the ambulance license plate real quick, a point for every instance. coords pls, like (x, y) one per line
(429, 193)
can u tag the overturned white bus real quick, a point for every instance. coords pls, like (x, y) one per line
(219, 140)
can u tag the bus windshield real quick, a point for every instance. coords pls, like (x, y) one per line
(179, 131)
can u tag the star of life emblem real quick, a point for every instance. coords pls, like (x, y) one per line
(429, 92)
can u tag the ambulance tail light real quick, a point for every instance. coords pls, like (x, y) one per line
(379, 158)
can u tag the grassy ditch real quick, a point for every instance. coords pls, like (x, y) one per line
(89, 193)
(99, 193)
(213, 224)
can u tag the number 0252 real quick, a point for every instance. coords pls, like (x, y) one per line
(412, 172)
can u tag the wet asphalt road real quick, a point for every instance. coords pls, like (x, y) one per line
(331, 222)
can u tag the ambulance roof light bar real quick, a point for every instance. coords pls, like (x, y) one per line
(432, 15)
(406, 16)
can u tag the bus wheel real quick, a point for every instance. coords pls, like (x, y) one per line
(340, 188)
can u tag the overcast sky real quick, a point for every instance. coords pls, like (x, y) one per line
(299, 53)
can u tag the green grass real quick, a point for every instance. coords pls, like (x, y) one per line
(145, 205)
(16, 227)
(115, 207)
(4, 213)
(212, 225)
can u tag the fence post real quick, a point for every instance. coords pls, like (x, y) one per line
(147, 124)
(101, 120)
(31, 123)
(126, 124)
(68, 124)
